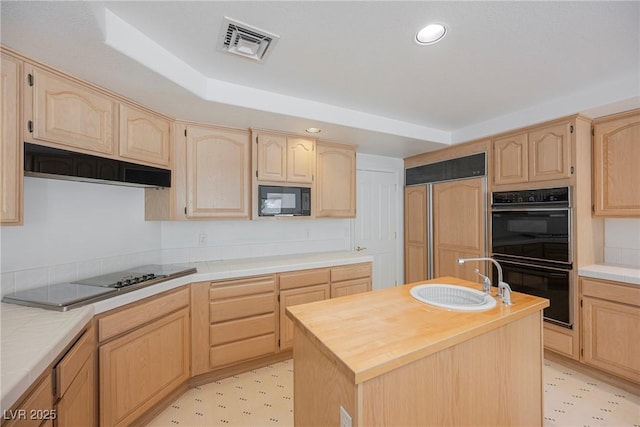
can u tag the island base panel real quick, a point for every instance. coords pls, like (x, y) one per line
(494, 378)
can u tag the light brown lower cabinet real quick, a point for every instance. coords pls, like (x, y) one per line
(78, 406)
(300, 287)
(242, 321)
(611, 327)
(147, 360)
(34, 409)
(350, 279)
(290, 297)
(75, 388)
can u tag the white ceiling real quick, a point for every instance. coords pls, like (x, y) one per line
(350, 68)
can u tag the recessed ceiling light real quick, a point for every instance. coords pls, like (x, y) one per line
(431, 34)
(313, 130)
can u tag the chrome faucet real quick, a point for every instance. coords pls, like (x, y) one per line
(504, 290)
(486, 282)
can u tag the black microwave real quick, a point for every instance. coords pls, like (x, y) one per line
(284, 201)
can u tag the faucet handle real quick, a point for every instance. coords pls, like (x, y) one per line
(486, 282)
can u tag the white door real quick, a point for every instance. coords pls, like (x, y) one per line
(376, 224)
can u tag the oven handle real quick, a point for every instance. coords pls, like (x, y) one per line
(528, 209)
(537, 266)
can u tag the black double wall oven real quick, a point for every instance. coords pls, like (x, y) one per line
(531, 239)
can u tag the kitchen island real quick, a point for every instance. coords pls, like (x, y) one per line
(388, 359)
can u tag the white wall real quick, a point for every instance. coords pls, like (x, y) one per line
(74, 230)
(246, 239)
(622, 241)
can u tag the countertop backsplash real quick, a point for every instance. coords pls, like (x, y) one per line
(622, 241)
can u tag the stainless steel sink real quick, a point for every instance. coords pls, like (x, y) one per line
(453, 297)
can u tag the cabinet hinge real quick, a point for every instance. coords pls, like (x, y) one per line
(571, 128)
(256, 173)
(582, 352)
(256, 139)
(278, 343)
(30, 126)
(185, 210)
(580, 303)
(572, 169)
(593, 131)
(185, 132)
(593, 208)
(30, 79)
(278, 297)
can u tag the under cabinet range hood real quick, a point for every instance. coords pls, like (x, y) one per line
(48, 162)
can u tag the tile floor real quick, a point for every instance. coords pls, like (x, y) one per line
(263, 397)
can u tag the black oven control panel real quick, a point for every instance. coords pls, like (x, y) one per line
(542, 196)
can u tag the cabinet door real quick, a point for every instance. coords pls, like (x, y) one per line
(510, 159)
(141, 368)
(144, 136)
(335, 182)
(616, 150)
(272, 157)
(78, 406)
(70, 114)
(415, 229)
(11, 143)
(350, 287)
(611, 337)
(549, 154)
(291, 297)
(300, 160)
(40, 400)
(218, 165)
(458, 226)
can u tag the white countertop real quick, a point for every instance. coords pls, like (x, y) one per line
(32, 338)
(618, 273)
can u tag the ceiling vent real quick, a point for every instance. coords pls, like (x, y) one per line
(241, 39)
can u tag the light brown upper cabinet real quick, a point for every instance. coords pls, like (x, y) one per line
(11, 143)
(336, 181)
(415, 233)
(144, 136)
(217, 172)
(541, 154)
(64, 113)
(616, 151)
(284, 158)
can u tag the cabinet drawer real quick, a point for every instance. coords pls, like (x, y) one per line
(348, 272)
(297, 279)
(227, 354)
(236, 308)
(73, 361)
(40, 399)
(235, 330)
(130, 318)
(240, 287)
(350, 287)
(625, 294)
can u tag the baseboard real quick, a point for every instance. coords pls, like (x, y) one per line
(239, 368)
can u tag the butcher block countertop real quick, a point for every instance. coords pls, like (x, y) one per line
(373, 333)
